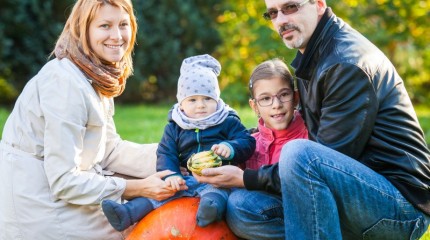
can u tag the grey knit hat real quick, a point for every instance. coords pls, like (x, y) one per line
(199, 77)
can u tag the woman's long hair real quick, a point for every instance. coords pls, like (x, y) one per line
(74, 40)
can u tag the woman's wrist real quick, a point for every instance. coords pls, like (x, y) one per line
(133, 188)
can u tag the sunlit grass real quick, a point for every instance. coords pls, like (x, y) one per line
(4, 113)
(145, 123)
(426, 235)
(423, 112)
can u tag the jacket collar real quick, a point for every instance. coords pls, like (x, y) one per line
(294, 130)
(317, 43)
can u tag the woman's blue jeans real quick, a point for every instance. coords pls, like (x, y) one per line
(325, 195)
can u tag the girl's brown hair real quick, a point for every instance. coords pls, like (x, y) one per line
(270, 69)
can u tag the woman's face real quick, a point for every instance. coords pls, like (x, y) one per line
(277, 115)
(110, 33)
(198, 106)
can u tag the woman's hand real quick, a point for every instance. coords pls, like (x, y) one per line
(225, 176)
(151, 187)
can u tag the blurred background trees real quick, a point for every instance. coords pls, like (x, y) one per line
(232, 31)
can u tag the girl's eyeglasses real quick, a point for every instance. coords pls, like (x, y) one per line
(283, 97)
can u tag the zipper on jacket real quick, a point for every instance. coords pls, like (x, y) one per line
(198, 139)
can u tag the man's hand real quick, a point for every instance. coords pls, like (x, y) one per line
(225, 176)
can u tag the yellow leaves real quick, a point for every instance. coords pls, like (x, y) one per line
(250, 8)
(226, 17)
(243, 51)
(381, 2)
(416, 31)
(354, 3)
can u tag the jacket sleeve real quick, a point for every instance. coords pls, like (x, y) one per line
(266, 178)
(168, 152)
(240, 139)
(128, 158)
(67, 106)
(348, 108)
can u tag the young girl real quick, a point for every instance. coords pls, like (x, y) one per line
(200, 121)
(273, 98)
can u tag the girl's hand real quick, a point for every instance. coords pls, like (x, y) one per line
(227, 176)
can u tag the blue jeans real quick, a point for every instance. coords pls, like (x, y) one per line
(328, 195)
(255, 215)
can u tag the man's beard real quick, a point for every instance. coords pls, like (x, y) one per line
(296, 44)
(292, 45)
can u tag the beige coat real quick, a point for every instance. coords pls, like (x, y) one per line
(58, 145)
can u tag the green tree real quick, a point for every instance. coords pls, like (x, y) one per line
(28, 30)
(247, 41)
(400, 28)
(232, 31)
(169, 31)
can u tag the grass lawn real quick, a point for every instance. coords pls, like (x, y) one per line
(145, 123)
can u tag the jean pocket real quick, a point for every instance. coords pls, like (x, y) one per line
(394, 229)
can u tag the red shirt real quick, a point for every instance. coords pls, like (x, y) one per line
(269, 142)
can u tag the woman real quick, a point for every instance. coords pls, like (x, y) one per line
(59, 143)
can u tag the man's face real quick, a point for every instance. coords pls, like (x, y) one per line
(296, 28)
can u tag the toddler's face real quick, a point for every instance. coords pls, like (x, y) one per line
(278, 114)
(198, 106)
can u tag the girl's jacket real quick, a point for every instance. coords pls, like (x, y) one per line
(269, 142)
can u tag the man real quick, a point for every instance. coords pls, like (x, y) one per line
(365, 172)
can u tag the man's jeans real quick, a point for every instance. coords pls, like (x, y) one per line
(325, 195)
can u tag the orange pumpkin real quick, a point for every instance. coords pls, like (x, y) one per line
(177, 220)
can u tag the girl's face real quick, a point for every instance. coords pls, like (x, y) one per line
(110, 33)
(279, 114)
(198, 106)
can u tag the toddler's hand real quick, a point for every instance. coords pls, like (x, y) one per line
(184, 171)
(175, 182)
(222, 150)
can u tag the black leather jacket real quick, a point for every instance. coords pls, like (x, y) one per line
(353, 101)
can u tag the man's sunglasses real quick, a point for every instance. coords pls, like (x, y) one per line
(286, 9)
